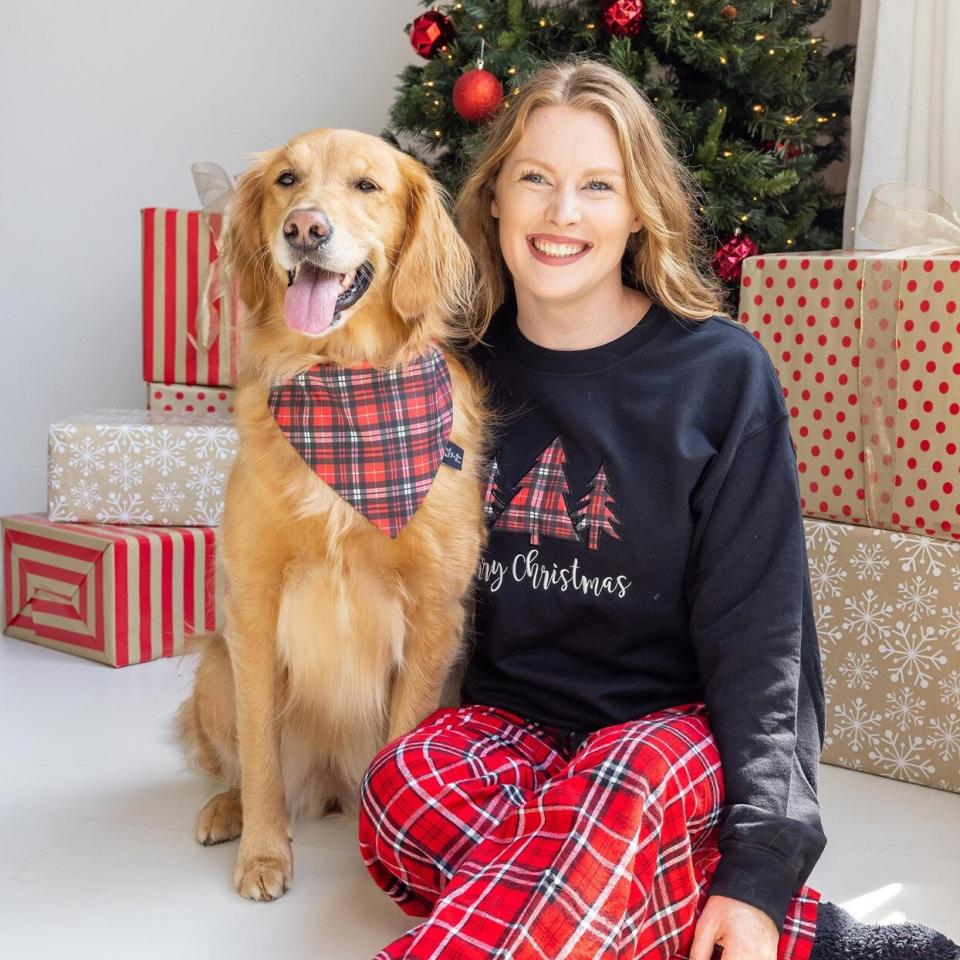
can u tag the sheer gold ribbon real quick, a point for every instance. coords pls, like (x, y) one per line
(916, 222)
(214, 188)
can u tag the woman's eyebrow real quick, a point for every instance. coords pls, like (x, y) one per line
(612, 171)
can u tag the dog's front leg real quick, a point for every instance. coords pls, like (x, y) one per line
(264, 865)
(432, 647)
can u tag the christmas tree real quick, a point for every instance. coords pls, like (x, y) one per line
(539, 505)
(756, 104)
(596, 516)
(493, 498)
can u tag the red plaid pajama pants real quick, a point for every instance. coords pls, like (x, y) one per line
(477, 821)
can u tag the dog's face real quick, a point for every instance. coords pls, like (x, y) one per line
(338, 225)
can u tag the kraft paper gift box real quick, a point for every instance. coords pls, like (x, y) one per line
(183, 398)
(139, 467)
(118, 595)
(887, 607)
(191, 311)
(867, 350)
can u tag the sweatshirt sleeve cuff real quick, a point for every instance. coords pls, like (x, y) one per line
(755, 876)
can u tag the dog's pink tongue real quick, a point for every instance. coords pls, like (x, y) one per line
(311, 299)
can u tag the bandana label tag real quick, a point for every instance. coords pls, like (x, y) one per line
(453, 456)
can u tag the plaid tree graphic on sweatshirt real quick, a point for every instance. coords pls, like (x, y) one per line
(538, 505)
(596, 516)
(493, 498)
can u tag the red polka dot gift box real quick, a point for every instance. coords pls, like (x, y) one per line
(867, 348)
(183, 398)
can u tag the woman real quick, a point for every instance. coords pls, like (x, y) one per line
(632, 771)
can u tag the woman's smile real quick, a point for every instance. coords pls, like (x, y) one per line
(556, 251)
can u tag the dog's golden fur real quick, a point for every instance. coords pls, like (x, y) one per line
(337, 639)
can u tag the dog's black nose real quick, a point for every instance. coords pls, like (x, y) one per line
(307, 229)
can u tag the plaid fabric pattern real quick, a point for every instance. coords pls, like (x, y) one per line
(376, 436)
(515, 842)
(597, 515)
(539, 506)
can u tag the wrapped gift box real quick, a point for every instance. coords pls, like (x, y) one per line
(888, 619)
(118, 595)
(139, 467)
(191, 312)
(182, 398)
(867, 352)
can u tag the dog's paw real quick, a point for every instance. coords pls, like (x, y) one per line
(221, 819)
(263, 877)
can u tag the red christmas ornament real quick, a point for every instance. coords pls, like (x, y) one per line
(476, 95)
(789, 150)
(623, 18)
(429, 32)
(728, 260)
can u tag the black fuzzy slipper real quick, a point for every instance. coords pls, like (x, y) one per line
(840, 937)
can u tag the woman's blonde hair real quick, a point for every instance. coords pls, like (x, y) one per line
(666, 258)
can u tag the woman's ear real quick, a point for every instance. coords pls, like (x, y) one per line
(433, 275)
(242, 240)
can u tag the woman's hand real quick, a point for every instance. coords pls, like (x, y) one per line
(744, 932)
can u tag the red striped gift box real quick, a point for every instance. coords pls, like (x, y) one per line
(178, 249)
(119, 595)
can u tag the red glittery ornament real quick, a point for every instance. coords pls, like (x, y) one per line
(476, 95)
(728, 260)
(429, 32)
(623, 18)
(789, 150)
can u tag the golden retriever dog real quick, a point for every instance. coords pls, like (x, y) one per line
(338, 637)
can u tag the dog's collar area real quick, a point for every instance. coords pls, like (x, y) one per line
(377, 437)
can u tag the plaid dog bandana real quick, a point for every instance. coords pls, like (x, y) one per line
(376, 436)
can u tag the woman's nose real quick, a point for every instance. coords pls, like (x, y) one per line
(565, 207)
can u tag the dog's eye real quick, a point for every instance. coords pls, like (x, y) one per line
(286, 179)
(366, 185)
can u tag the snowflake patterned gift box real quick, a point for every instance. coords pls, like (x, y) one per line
(139, 467)
(183, 398)
(191, 311)
(118, 595)
(866, 349)
(887, 608)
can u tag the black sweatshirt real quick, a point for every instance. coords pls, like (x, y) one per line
(646, 551)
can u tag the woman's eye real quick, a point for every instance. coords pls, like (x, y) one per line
(366, 185)
(599, 185)
(286, 179)
(532, 177)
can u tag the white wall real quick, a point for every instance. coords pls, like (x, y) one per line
(103, 107)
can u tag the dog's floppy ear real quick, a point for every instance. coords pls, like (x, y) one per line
(242, 241)
(433, 276)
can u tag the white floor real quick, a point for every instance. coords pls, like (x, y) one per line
(97, 858)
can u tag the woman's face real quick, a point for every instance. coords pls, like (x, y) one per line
(561, 202)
